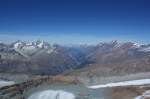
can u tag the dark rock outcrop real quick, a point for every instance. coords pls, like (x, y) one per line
(17, 91)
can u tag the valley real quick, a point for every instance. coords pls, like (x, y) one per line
(40, 70)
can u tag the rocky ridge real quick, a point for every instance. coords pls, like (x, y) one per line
(103, 59)
(17, 91)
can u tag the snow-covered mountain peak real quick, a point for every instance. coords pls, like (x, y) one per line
(145, 48)
(136, 45)
(18, 44)
(39, 43)
(42, 44)
(30, 48)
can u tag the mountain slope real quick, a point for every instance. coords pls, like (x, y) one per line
(103, 59)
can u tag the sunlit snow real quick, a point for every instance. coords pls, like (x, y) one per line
(52, 94)
(124, 83)
(6, 83)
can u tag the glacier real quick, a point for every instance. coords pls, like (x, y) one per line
(6, 83)
(52, 94)
(124, 83)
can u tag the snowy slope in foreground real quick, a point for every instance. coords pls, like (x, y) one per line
(6, 83)
(52, 94)
(124, 83)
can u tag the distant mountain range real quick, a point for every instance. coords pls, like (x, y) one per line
(111, 58)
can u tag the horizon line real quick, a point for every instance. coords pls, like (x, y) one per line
(67, 38)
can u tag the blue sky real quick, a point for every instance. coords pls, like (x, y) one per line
(75, 21)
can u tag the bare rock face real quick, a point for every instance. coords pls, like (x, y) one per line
(104, 59)
(37, 58)
(145, 95)
(108, 59)
(130, 92)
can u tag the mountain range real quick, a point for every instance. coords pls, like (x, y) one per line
(103, 59)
